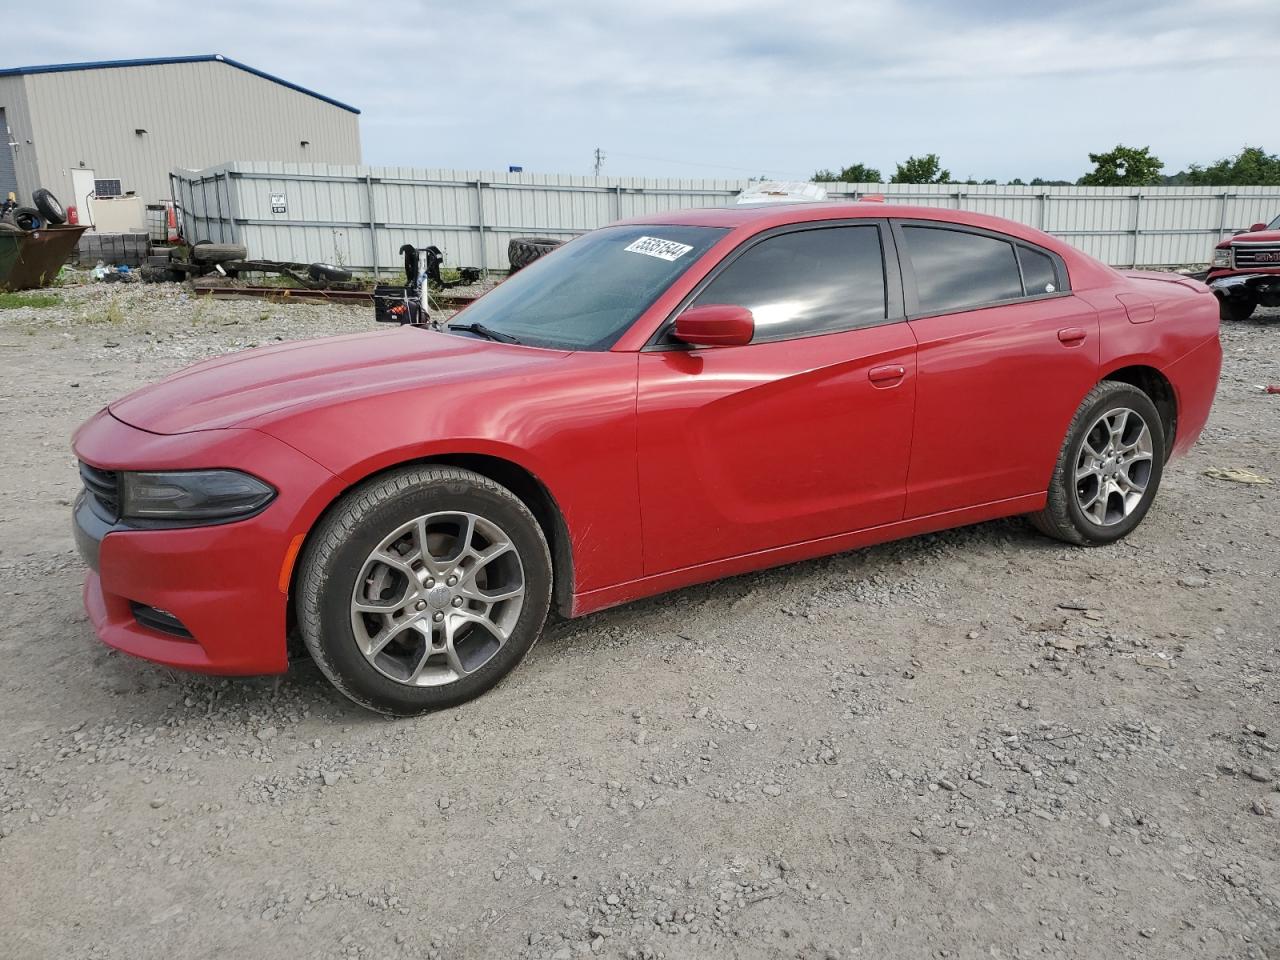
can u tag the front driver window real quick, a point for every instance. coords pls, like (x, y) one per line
(806, 282)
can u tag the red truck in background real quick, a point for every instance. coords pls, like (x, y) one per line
(1245, 271)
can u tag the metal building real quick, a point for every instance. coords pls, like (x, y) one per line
(119, 127)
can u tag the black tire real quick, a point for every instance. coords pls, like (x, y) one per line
(1063, 517)
(28, 218)
(335, 556)
(522, 251)
(327, 271)
(206, 251)
(1237, 308)
(49, 207)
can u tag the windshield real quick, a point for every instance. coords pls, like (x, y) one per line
(1274, 224)
(587, 293)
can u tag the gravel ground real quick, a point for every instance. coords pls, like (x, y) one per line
(972, 744)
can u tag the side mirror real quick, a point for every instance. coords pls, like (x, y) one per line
(715, 325)
(1257, 226)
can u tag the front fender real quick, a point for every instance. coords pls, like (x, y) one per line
(573, 430)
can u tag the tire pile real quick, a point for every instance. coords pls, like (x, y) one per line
(46, 212)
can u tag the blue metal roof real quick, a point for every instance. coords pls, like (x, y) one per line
(159, 61)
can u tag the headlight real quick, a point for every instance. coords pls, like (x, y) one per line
(196, 496)
(1222, 257)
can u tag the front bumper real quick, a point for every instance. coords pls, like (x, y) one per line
(1257, 284)
(222, 583)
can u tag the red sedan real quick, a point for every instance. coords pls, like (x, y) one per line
(658, 403)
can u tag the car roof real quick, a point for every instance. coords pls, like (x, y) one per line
(749, 219)
(764, 215)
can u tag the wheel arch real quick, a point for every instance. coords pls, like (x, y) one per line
(521, 481)
(1155, 385)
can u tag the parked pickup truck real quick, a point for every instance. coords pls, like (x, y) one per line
(1245, 272)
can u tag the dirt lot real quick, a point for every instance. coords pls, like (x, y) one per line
(974, 744)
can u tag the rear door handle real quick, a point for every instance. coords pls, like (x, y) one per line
(887, 376)
(1071, 335)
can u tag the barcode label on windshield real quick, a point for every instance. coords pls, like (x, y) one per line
(657, 247)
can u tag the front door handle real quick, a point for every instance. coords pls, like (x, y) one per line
(1071, 335)
(888, 376)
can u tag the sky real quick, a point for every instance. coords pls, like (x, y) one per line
(732, 88)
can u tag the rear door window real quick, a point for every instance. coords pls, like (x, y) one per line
(806, 282)
(955, 270)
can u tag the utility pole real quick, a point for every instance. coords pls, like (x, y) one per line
(599, 160)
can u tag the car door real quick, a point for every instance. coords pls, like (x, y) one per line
(803, 433)
(1006, 354)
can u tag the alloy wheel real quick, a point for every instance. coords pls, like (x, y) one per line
(437, 598)
(1113, 466)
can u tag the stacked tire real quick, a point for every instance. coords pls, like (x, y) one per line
(522, 251)
(47, 206)
(47, 212)
(206, 251)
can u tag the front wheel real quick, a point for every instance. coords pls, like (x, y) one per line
(423, 588)
(1108, 470)
(1236, 308)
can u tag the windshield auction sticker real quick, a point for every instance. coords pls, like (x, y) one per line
(662, 249)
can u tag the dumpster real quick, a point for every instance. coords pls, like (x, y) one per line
(33, 258)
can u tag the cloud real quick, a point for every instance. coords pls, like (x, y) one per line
(721, 87)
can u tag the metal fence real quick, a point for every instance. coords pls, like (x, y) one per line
(360, 216)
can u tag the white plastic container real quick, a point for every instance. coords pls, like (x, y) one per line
(783, 191)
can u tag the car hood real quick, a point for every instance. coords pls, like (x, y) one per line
(248, 388)
(1262, 236)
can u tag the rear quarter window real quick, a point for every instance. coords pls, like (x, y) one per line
(1039, 272)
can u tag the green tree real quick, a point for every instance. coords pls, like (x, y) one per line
(855, 173)
(926, 169)
(1252, 166)
(1123, 167)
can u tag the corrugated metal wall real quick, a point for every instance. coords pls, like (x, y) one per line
(13, 97)
(359, 216)
(8, 170)
(194, 115)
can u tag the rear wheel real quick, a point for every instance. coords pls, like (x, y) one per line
(1108, 470)
(1237, 308)
(423, 588)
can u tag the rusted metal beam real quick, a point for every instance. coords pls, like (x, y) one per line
(284, 294)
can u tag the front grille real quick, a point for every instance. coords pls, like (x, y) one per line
(103, 486)
(1256, 255)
